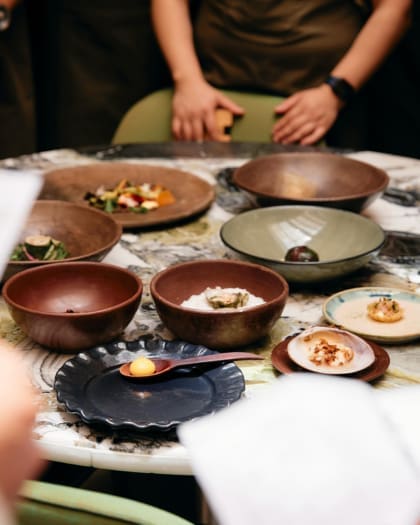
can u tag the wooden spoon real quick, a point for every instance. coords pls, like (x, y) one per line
(162, 366)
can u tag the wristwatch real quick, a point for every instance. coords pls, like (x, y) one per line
(343, 89)
(5, 17)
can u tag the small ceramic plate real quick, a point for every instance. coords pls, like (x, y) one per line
(282, 362)
(348, 310)
(299, 350)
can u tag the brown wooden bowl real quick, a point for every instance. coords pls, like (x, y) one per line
(218, 329)
(87, 234)
(73, 305)
(322, 179)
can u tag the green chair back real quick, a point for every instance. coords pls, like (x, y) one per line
(149, 120)
(50, 504)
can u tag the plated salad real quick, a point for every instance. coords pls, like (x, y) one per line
(128, 197)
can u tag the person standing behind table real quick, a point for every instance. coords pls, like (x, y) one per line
(288, 47)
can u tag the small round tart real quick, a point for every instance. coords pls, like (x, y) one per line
(330, 351)
(385, 310)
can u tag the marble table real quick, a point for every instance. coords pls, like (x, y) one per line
(64, 437)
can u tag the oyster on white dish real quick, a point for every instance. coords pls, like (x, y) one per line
(330, 351)
(227, 297)
(222, 299)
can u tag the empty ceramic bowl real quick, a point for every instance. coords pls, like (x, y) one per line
(219, 327)
(344, 241)
(311, 178)
(73, 305)
(86, 233)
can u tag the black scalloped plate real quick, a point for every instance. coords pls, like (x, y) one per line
(91, 386)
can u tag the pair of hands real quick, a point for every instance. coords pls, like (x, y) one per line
(305, 116)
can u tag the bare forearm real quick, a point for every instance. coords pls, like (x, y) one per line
(171, 20)
(379, 35)
(10, 3)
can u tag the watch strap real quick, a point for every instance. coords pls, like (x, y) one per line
(341, 88)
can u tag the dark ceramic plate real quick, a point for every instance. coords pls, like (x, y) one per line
(91, 386)
(192, 194)
(282, 362)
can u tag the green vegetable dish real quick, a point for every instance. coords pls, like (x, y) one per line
(39, 248)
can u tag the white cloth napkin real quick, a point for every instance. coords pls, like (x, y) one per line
(309, 449)
(18, 191)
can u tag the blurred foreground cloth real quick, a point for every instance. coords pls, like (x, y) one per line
(19, 190)
(311, 450)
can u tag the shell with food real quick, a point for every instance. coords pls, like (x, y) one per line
(330, 351)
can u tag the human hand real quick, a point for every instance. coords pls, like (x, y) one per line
(19, 456)
(307, 116)
(193, 109)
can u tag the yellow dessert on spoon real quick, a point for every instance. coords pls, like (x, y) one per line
(143, 367)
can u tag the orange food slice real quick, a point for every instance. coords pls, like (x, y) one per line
(165, 197)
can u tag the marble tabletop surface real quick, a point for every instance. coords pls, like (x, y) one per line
(63, 436)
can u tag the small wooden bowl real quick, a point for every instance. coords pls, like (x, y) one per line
(218, 329)
(73, 305)
(87, 234)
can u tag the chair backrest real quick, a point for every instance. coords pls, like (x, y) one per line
(49, 504)
(149, 120)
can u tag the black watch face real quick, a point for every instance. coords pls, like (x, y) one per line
(4, 18)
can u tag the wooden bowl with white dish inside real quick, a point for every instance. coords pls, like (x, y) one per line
(219, 303)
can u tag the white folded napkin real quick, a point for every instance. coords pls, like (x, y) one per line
(309, 449)
(18, 191)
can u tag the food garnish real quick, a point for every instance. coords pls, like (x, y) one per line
(226, 297)
(301, 254)
(325, 353)
(128, 197)
(385, 310)
(142, 366)
(39, 248)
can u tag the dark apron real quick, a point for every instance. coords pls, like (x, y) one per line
(277, 46)
(280, 47)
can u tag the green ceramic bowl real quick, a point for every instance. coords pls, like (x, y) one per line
(344, 241)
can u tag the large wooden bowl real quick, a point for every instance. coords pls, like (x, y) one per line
(321, 179)
(193, 195)
(87, 234)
